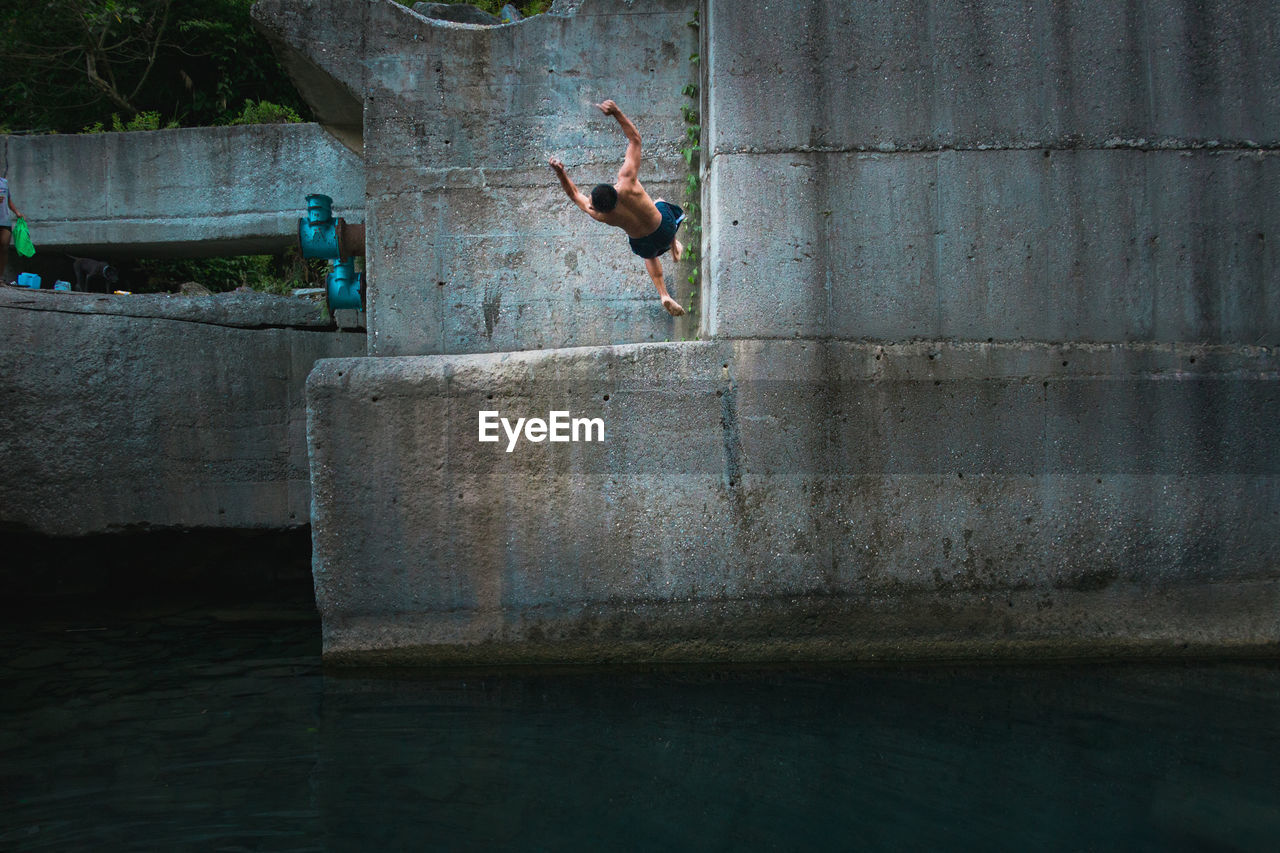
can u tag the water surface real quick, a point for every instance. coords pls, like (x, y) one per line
(219, 730)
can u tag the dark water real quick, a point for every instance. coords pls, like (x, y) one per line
(218, 730)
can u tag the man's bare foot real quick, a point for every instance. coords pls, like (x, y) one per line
(676, 251)
(673, 307)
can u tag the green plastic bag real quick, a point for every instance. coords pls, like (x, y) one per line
(22, 239)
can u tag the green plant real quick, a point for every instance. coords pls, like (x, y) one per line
(692, 153)
(265, 112)
(149, 120)
(265, 273)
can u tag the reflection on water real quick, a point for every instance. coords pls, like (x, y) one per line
(219, 731)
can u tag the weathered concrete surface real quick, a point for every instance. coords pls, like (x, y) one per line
(774, 500)
(1076, 245)
(988, 170)
(472, 245)
(127, 413)
(324, 54)
(199, 192)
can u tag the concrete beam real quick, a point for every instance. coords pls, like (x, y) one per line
(131, 413)
(194, 192)
(322, 44)
(771, 500)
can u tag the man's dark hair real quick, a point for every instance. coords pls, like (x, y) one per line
(604, 198)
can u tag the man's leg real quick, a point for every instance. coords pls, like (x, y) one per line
(654, 267)
(4, 254)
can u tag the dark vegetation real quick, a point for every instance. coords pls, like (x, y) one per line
(135, 65)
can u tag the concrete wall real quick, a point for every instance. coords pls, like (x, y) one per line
(971, 170)
(773, 500)
(472, 245)
(991, 296)
(198, 192)
(144, 412)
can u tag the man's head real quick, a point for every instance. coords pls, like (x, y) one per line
(604, 198)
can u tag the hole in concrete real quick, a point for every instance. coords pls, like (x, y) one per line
(1046, 154)
(1193, 359)
(735, 222)
(1064, 364)
(606, 398)
(373, 399)
(439, 284)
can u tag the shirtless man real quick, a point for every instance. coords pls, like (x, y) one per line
(651, 226)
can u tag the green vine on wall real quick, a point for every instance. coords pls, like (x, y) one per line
(692, 153)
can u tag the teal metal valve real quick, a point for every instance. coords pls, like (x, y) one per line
(344, 287)
(318, 232)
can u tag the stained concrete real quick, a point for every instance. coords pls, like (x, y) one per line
(1076, 245)
(191, 192)
(773, 500)
(133, 413)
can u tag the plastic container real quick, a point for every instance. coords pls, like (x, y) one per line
(62, 285)
(29, 279)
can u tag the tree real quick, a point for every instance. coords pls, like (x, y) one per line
(70, 63)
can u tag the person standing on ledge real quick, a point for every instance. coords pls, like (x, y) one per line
(651, 226)
(6, 227)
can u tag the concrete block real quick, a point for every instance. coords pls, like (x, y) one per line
(771, 500)
(120, 414)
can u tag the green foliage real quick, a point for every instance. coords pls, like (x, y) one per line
(692, 153)
(149, 120)
(265, 112)
(265, 273)
(72, 64)
(493, 7)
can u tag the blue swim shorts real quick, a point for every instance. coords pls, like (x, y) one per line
(661, 239)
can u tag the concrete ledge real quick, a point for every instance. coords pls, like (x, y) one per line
(198, 192)
(1128, 622)
(761, 500)
(234, 309)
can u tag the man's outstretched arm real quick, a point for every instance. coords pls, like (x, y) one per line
(630, 170)
(566, 183)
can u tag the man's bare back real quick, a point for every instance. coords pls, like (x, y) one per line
(626, 205)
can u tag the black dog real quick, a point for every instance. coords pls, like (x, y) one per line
(87, 268)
